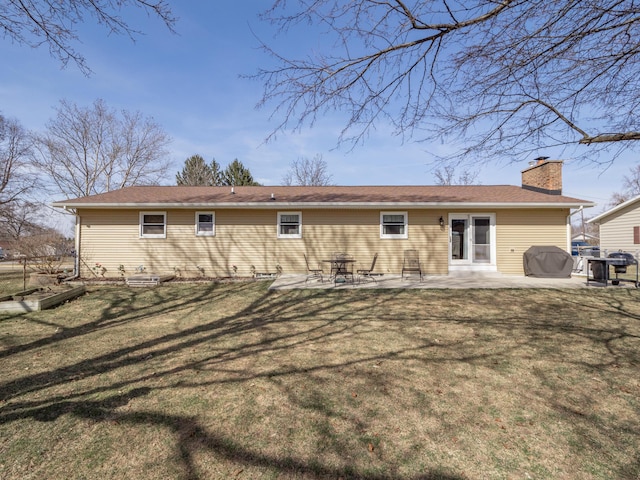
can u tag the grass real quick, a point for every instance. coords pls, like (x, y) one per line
(12, 279)
(232, 381)
(630, 274)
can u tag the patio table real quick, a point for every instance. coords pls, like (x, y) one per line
(340, 268)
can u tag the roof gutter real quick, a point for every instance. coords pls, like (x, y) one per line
(319, 205)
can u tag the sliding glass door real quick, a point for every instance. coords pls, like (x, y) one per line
(472, 240)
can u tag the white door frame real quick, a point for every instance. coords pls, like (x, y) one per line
(468, 263)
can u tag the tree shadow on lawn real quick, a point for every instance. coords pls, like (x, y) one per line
(192, 438)
(259, 314)
(274, 323)
(117, 311)
(262, 313)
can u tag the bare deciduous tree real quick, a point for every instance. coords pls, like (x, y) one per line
(92, 150)
(43, 251)
(446, 175)
(308, 172)
(15, 148)
(17, 222)
(501, 77)
(630, 187)
(39, 22)
(631, 182)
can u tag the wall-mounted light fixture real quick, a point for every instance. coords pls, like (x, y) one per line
(441, 221)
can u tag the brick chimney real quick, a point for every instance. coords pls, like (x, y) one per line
(543, 176)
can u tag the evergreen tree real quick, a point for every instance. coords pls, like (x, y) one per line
(216, 173)
(196, 172)
(236, 174)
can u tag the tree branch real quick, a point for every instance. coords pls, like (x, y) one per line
(497, 76)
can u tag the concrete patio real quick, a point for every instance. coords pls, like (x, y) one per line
(458, 281)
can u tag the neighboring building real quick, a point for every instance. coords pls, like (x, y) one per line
(620, 228)
(219, 231)
(586, 238)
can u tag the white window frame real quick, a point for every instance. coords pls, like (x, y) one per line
(290, 235)
(394, 235)
(205, 233)
(153, 235)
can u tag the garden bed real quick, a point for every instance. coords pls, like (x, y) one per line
(35, 299)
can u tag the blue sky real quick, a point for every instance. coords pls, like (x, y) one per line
(191, 84)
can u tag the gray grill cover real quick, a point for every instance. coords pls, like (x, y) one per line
(547, 262)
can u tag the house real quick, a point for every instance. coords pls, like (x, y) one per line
(223, 231)
(620, 228)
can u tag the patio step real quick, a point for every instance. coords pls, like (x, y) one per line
(147, 280)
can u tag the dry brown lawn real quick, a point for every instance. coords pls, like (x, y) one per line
(12, 279)
(212, 381)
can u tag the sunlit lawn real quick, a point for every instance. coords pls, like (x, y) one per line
(202, 381)
(12, 279)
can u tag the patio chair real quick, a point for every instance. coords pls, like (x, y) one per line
(365, 273)
(313, 272)
(411, 263)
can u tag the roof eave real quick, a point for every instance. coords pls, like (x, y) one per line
(316, 205)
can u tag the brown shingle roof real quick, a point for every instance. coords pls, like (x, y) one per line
(184, 196)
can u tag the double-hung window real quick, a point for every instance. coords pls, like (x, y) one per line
(153, 225)
(205, 224)
(393, 225)
(289, 225)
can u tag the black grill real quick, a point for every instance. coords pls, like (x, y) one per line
(621, 260)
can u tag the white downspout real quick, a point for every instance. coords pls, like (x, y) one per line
(571, 214)
(76, 274)
(76, 260)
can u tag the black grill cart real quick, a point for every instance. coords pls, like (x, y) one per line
(598, 269)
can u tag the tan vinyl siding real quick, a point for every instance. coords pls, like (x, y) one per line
(358, 232)
(249, 237)
(616, 233)
(517, 230)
